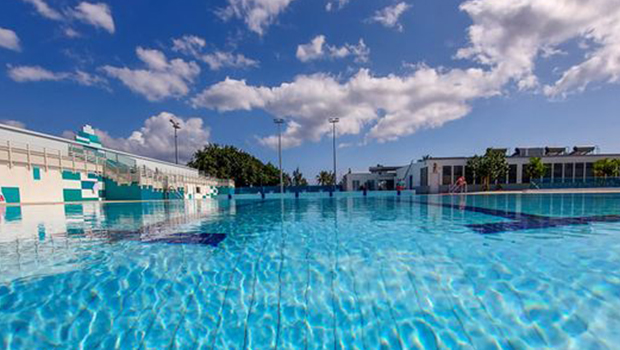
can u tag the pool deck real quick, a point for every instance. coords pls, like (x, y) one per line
(550, 191)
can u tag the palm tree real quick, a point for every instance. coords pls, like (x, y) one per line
(299, 179)
(325, 178)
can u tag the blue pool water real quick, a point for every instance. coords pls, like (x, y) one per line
(414, 272)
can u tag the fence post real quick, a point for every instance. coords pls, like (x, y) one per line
(8, 144)
(28, 156)
(45, 158)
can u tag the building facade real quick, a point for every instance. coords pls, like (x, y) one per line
(40, 168)
(439, 174)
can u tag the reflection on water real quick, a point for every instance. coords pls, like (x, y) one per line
(497, 271)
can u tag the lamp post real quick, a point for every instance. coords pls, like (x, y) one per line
(176, 126)
(279, 122)
(333, 121)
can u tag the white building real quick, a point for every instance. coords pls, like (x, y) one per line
(438, 174)
(40, 168)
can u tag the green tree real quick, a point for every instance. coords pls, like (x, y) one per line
(229, 162)
(325, 178)
(535, 169)
(607, 168)
(299, 179)
(490, 167)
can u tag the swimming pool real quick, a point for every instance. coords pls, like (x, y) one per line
(470, 272)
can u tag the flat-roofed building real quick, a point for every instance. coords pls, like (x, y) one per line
(563, 166)
(38, 168)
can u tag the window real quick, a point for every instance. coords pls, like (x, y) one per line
(557, 172)
(579, 171)
(371, 185)
(469, 175)
(447, 175)
(197, 189)
(36, 173)
(547, 171)
(356, 185)
(525, 177)
(589, 170)
(568, 172)
(458, 171)
(410, 181)
(424, 176)
(512, 174)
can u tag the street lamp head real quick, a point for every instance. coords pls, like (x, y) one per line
(334, 120)
(278, 121)
(175, 124)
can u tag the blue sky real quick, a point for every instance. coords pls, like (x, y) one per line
(407, 78)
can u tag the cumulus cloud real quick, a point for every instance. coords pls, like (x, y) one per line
(511, 35)
(162, 78)
(318, 49)
(257, 14)
(98, 15)
(22, 74)
(390, 15)
(156, 138)
(391, 106)
(194, 46)
(45, 10)
(25, 74)
(221, 59)
(506, 39)
(13, 123)
(189, 45)
(9, 40)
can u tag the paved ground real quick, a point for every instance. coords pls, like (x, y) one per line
(552, 191)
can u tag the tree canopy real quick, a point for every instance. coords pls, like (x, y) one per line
(607, 168)
(535, 169)
(490, 167)
(229, 162)
(325, 178)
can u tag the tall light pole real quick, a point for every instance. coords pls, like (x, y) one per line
(279, 122)
(333, 121)
(176, 126)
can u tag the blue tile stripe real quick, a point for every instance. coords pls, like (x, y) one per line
(521, 221)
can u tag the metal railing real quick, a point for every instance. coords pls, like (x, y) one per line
(80, 159)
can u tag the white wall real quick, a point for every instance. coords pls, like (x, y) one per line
(47, 190)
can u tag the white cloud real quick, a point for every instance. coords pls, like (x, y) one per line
(161, 79)
(390, 15)
(71, 33)
(22, 74)
(220, 59)
(511, 35)
(156, 138)
(44, 10)
(506, 40)
(13, 123)
(318, 49)
(25, 74)
(194, 46)
(257, 14)
(189, 45)
(336, 4)
(9, 40)
(391, 106)
(98, 15)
